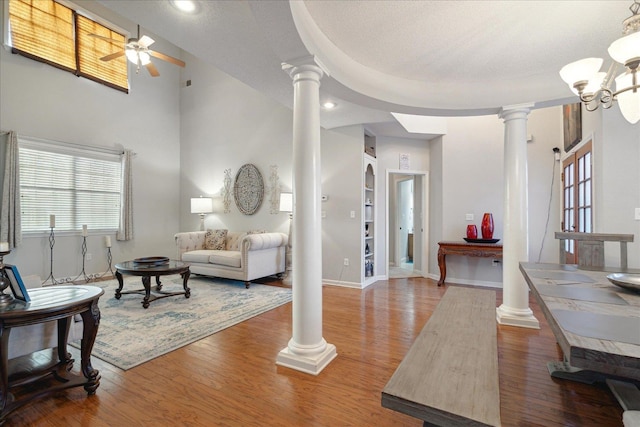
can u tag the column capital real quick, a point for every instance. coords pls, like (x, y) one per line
(509, 112)
(299, 65)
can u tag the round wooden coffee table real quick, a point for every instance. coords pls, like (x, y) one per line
(148, 269)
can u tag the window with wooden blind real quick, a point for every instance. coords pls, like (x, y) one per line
(49, 32)
(78, 186)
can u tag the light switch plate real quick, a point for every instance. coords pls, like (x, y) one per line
(637, 217)
(469, 217)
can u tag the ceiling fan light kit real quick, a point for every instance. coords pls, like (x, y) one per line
(595, 88)
(137, 52)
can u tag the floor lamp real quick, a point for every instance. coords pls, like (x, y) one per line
(286, 205)
(201, 206)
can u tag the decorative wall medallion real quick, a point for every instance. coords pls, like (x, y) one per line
(248, 189)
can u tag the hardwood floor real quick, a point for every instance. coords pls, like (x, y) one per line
(231, 379)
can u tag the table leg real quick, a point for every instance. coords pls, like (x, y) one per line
(4, 370)
(442, 264)
(146, 281)
(120, 284)
(64, 325)
(185, 278)
(158, 283)
(90, 323)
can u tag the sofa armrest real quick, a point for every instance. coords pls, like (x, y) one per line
(256, 242)
(189, 241)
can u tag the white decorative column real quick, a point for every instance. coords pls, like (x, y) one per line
(307, 350)
(515, 310)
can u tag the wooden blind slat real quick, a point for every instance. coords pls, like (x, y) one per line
(91, 49)
(44, 30)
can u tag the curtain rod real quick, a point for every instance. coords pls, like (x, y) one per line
(76, 146)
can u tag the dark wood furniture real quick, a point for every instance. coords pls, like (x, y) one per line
(146, 271)
(595, 323)
(449, 377)
(59, 303)
(486, 250)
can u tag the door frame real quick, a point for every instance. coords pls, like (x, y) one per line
(424, 244)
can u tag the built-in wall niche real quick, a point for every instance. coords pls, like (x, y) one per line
(370, 145)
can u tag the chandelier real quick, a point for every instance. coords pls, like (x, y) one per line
(595, 87)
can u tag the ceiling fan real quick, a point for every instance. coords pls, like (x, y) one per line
(137, 51)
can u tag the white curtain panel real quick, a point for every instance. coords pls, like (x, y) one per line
(10, 209)
(125, 231)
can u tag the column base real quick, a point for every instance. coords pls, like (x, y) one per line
(310, 364)
(522, 318)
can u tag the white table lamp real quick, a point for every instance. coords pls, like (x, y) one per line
(201, 206)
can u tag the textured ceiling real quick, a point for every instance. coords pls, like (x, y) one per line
(418, 57)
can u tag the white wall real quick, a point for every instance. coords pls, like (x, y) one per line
(472, 183)
(44, 102)
(226, 124)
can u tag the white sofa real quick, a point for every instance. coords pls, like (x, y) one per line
(28, 339)
(246, 256)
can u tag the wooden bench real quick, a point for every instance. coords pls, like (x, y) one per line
(449, 377)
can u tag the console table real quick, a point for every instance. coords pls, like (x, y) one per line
(486, 250)
(59, 303)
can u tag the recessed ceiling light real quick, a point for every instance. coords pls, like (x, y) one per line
(188, 6)
(329, 105)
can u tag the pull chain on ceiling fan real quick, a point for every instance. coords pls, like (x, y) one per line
(137, 51)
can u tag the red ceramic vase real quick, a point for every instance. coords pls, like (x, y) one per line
(487, 226)
(472, 231)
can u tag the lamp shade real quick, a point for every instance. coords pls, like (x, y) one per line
(201, 205)
(626, 48)
(580, 71)
(286, 202)
(628, 101)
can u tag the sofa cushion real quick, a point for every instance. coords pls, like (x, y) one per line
(215, 239)
(226, 258)
(201, 255)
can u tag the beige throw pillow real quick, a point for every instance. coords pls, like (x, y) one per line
(215, 240)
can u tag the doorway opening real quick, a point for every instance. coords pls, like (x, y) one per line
(407, 247)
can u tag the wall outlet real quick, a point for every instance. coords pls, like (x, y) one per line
(495, 263)
(469, 217)
(352, 214)
(346, 261)
(637, 217)
(89, 257)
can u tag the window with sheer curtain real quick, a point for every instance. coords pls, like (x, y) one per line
(50, 32)
(78, 186)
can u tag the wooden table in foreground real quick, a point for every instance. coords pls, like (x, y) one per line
(59, 303)
(486, 250)
(596, 324)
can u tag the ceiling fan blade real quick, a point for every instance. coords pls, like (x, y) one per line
(166, 58)
(152, 69)
(104, 38)
(112, 56)
(145, 41)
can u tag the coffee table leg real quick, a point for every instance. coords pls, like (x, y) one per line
(146, 281)
(185, 278)
(90, 321)
(120, 284)
(158, 283)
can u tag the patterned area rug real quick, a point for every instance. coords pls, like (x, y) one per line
(130, 335)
